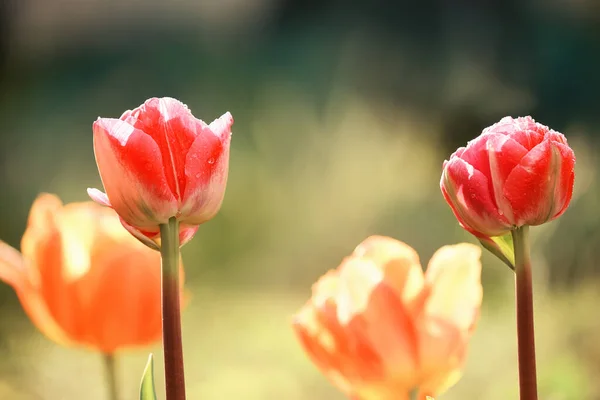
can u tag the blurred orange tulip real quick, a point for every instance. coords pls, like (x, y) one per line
(380, 329)
(83, 279)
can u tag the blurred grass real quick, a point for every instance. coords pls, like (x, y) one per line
(239, 345)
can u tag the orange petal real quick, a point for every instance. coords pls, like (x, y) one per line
(325, 288)
(373, 311)
(36, 308)
(454, 274)
(450, 312)
(399, 262)
(13, 272)
(12, 265)
(40, 224)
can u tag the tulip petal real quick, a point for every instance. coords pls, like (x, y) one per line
(173, 127)
(565, 179)
(12, 268)
(374, 312)
(40, 225)
(131, 169)
(47, 302)
(530, 185)
(342, 351)
(107, 289)
(150, 239)
(476, 155)
(13, 272)
(222, 126)
(186, 233)
(99, 197)
(450, 313)
(357, 280)
(466, 191)
(37, 310)
(454, 273)
(527, 132)
(440, 383)
(321, 348)
(206, 171)
(504, 154)
(400, 264)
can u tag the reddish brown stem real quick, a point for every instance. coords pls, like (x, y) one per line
(171, 311)
(525, 325)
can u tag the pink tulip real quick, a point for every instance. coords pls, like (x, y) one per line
(157, 162)
(517, 172)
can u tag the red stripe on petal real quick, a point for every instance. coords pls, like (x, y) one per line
(131, 169)
(173, 127)
(528, 187)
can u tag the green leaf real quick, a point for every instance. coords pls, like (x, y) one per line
(502, 247)
(147, 389)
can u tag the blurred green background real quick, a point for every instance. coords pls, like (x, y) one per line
(344, 113)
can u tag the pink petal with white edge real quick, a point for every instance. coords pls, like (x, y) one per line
(130, 166)
(222, 125)
(206, 170)
(186, 233)
(466, 190)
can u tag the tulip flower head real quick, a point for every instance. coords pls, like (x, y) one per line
(517, 172)
(83, 279)
(379, 328)
(157, 162)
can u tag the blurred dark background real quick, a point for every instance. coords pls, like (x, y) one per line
(344, 113)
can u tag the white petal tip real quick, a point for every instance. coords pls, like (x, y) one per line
(99, 197)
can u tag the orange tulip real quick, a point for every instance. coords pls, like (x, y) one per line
(380, 329)
(83, 279)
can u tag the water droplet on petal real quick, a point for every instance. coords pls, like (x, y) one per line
(211, 160)
(198, 175)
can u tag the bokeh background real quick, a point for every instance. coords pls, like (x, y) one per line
(344, 112)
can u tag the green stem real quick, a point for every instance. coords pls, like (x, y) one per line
(525, 328)
(171, 311)
(414, 395)
(111, 375)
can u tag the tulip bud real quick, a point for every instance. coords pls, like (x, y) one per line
(379, 328)
(517, 172)
(157, 162)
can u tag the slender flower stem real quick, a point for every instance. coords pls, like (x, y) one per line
(414, 395)
(111, 375)
(525, 329)
(171, 312)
